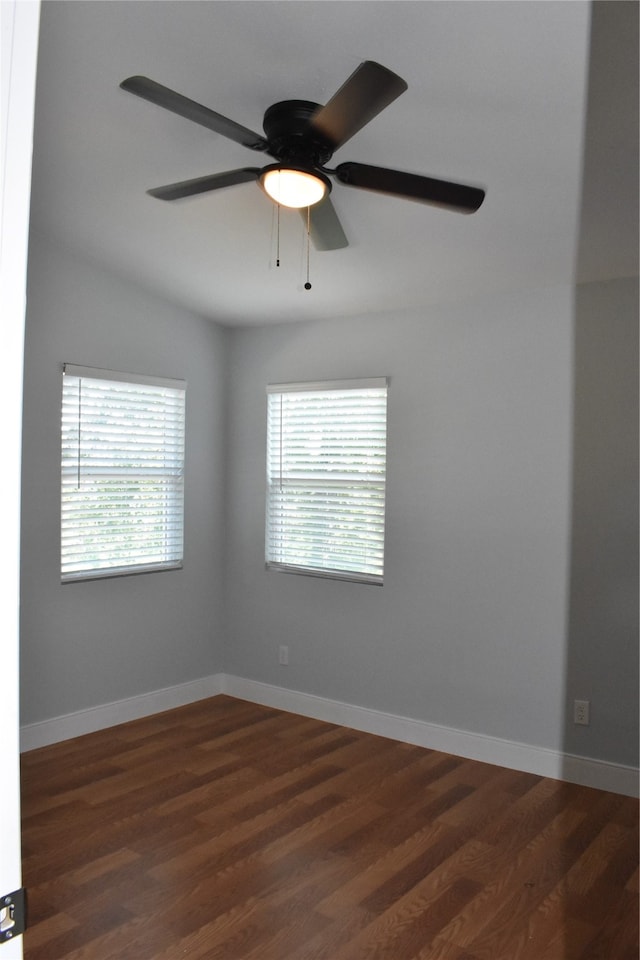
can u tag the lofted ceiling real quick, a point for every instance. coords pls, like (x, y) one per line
(497, 97)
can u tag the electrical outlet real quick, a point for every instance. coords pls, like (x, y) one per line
(284, 655)
(581, 712)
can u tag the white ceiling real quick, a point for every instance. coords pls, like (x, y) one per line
(497, 97)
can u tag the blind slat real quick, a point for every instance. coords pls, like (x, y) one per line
(122, 473)
(326, 469)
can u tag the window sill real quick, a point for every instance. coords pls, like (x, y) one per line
(119, 572)
(372, 579)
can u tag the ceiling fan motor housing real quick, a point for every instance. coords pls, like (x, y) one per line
(291, 137)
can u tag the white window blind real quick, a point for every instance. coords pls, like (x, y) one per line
(122, 502)
(326, 474)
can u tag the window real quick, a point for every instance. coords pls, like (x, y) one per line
(326, 466)
(122, 473)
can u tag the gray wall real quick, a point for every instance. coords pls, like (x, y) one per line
(603, 611)
(469, 628)
(85, 644)
(511, 564)
(511, 576)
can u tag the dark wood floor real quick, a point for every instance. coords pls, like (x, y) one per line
(229, 831)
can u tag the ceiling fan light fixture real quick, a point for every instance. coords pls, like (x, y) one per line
(294, 186)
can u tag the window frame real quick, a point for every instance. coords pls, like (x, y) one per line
(173, 519)
(353, 481)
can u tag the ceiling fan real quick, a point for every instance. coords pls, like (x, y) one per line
(302, 136)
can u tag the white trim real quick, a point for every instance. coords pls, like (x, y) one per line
(600, 774)
(373, 579)
(95, 373)
(19, 28)
(615, 777)
(365, 383)
(76, 724)
(109, 572)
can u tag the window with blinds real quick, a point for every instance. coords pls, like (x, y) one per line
(326, 475)
(122, 502)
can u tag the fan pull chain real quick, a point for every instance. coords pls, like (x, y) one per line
(275, 235)
(307, 285)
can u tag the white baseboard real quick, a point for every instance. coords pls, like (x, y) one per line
(462, 743)
(76, 724)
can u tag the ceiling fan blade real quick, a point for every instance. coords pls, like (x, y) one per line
(411, 186)
(369, 89)
(189, 188)
(325, 229)
(170, 100)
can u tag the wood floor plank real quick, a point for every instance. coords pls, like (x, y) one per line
(371, 877)
(633, 883)
(226, 830)
(540, 866)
